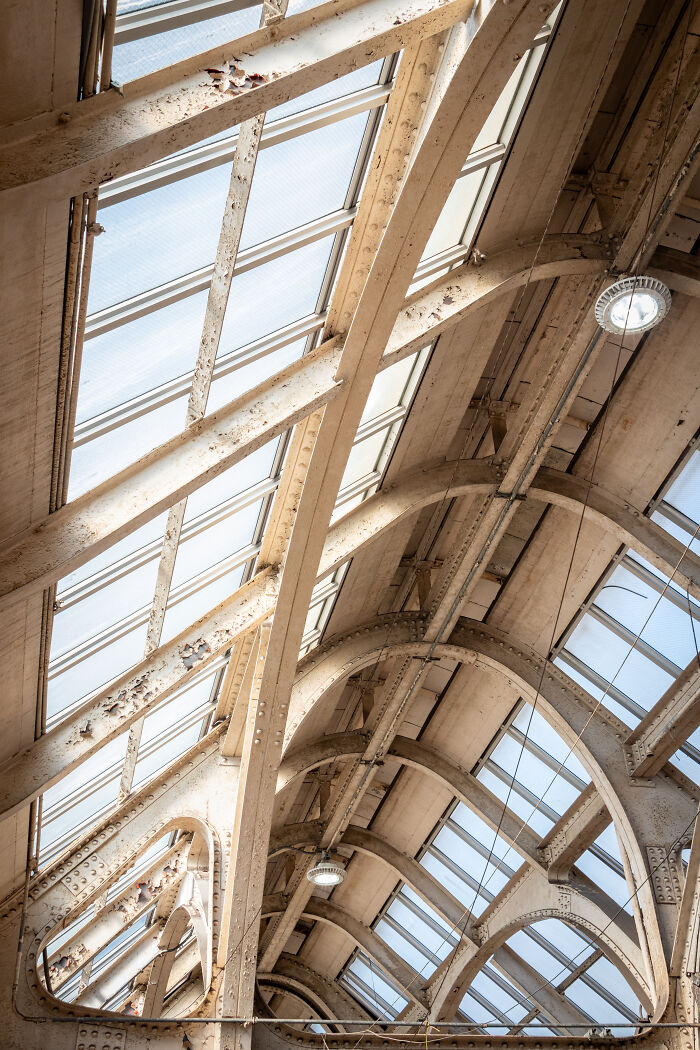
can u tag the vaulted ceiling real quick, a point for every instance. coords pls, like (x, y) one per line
(335, 526)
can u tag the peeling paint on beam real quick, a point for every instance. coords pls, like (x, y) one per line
(89, 525)
(85, 527)
(113, 710)
(110, 135)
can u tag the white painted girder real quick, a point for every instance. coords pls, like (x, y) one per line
(63, 541)
(98, 139)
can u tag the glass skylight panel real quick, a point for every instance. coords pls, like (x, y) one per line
(608, 976)
(355, 81)
(593, 1004)
(364, 979)
(606, 878)
(502, 998)
(157, 236)
(492, 873)
(603, 653)
(524, 807)
(135, 58)
(480, 830)
(613, 658)
(77, 800)
(302, 179)
(684, 492)
(134, 357)
(467, 201)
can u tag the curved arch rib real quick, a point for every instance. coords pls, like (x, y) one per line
(553, 1003)
(89, 524)
(327, 911)
(593, 733)
(180, 918)
(420, 488)
(336, 1002)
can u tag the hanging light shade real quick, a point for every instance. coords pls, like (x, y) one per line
(326, 872)
(632, 304)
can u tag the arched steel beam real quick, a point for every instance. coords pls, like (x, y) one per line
(327, 911)
(527, 899)
(418, 489)
(94, 521)
(279, 982)
(429, 761)
(338, 1003)
(173, 931)
(472, 793)
(407, 868)
(593, 733)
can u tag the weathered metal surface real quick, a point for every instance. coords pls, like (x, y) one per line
(112, 711)
(573, 833)
(364, 937)
(110, 135)
(669, 723)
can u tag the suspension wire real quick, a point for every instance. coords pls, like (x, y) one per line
(459, 927)
(505, 344)
(652, 197)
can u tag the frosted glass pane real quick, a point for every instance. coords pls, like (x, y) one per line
(453, 218)
(497, 995)
(456, 886)
(232, 386)
(575, 948)
(617, 709)
(408, 893)
(481, 870)
(214, 544)
(103, 608)
(359, 78)
(592, 1003)
(388, 388)
(608, 976)
(668, 629)
(302, 179)
(408, 920)
(420, 961)
(140, 355)
(539, 730)
(157, 236)
(95, 671)
(231, 482)
(274, 294)
(363, 458)
(479, 829)
(148, 533)
(136, 58)
(524, 809)
(107, 455)
(377, 982)
(604, 652)
(605, 878)
(554, 791)
(182, 613)
(684, 493)
(177, 708)
(534, 954)
(163, 756)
